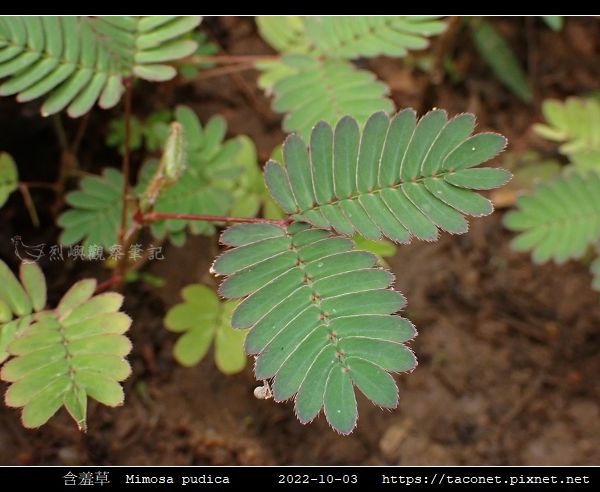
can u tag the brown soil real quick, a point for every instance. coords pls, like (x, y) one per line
(508, 351)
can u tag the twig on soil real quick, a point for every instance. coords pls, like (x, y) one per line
(107, 284)
(220, 71)
(519, 405)
(125, 164)
(35, 220)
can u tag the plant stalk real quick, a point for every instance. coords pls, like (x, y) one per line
(154, 216)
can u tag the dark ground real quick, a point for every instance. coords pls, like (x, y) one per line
(508, 351)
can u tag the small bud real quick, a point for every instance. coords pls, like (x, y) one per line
(263, 392)
(174, 157)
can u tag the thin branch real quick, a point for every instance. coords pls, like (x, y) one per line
(154, 216)
(39, 184)
(68, 162)
(60, 132)
(115, 279)
(125, 164)
(231, 59)
(80, 133)
(220, 71)
(35, 220)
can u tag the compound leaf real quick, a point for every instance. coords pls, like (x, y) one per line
(213, 179)
(558, 220)
(77, 61)
(63, 356)
(400, 178)
(314, 306)
(96, 211)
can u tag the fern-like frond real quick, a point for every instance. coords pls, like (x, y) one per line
(95, 213)
(369, 36)
(200, 319)
(60, 356)
(326, 90)
(320, 316)
(9, 177)
(76, 61)
(400, 178)
(576, 123)
(558, 220)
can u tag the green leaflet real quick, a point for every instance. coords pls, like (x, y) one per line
(576, 124)
(313, 305)
(96, 212)
(78, 61)
(397, 178)
(9, 177)
(558, 220)
(501, 59)
(554, 22)
(60, 356)
(284, 33)
(201, 318)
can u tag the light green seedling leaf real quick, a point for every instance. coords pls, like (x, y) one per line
(230, 357)
(9, 177)
(202, 319)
